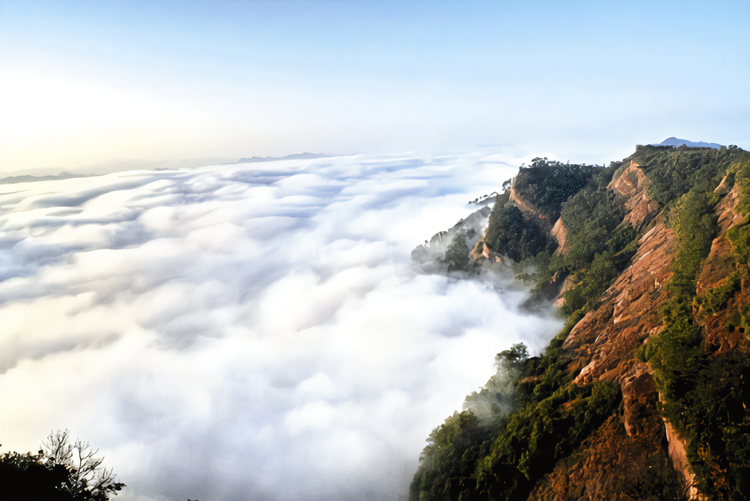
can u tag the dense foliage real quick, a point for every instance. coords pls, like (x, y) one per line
(674, 172)
(457, 254)
(599, 244)
(546, 185)
(501, 456)
(509, 233)
(25, 477)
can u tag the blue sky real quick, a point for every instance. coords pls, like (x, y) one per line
(90, 83)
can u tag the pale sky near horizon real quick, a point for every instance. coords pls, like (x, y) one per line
(88, 84)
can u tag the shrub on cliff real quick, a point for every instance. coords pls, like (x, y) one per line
(457, 254)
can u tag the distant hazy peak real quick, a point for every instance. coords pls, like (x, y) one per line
(296, 156)
(673, 141)
(30, 178)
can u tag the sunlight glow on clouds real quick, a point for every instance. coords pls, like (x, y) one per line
(50, 120)
(249, 331)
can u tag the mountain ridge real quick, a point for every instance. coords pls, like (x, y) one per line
(296, 156)
(673, 141)
(645, 392)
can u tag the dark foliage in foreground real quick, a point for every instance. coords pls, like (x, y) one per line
(60, 471)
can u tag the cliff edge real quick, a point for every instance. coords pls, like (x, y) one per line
(645, 394)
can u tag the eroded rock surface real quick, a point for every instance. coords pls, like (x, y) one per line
(630, 188)
(561, 235)
(529, 212)
(629, 312)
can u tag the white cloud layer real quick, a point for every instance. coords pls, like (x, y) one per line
(249, 331)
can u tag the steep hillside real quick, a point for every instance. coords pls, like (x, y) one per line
(645, 392)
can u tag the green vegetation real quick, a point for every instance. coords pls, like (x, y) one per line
(589, 218)
(457, 254)
(715, 299)
(546, 185)
(539, 434)
(674, 172)
(60, 471)
(594, 282)
(599, 247)
(449, 461)
(739, 235)
(530, 415)
(503, 455)
(511, 234)
(705, 395)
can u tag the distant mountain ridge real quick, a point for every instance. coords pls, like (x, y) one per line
(673, 141)
(296, 156)
(30, 178)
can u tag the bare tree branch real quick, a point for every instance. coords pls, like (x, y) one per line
(87, 478)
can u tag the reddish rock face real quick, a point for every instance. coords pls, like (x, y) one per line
(629, 313)
(482, 250)
(638, 393)
(636, 443)
(630, 190)
(719, 264)
(727, 210)
(561, 235)
(530, 212)
(606, 338)
(606, 464)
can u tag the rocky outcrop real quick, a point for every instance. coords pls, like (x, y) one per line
(628, 313)
(678, 456)
(561, 235)
(482, 251)
(608, 464)
(530, 212)
(630, 188)
(568, 284)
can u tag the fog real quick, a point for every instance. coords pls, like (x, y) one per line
(248, 331)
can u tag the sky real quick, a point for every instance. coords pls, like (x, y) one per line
(249, 332)
(94, 86)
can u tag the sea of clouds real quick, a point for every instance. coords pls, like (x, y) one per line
(248, 331)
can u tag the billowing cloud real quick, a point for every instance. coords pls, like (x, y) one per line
(249, 331)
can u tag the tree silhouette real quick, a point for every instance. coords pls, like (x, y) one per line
(87, 478)
(60, 471)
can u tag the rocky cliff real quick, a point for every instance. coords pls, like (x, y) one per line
(645, 393)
